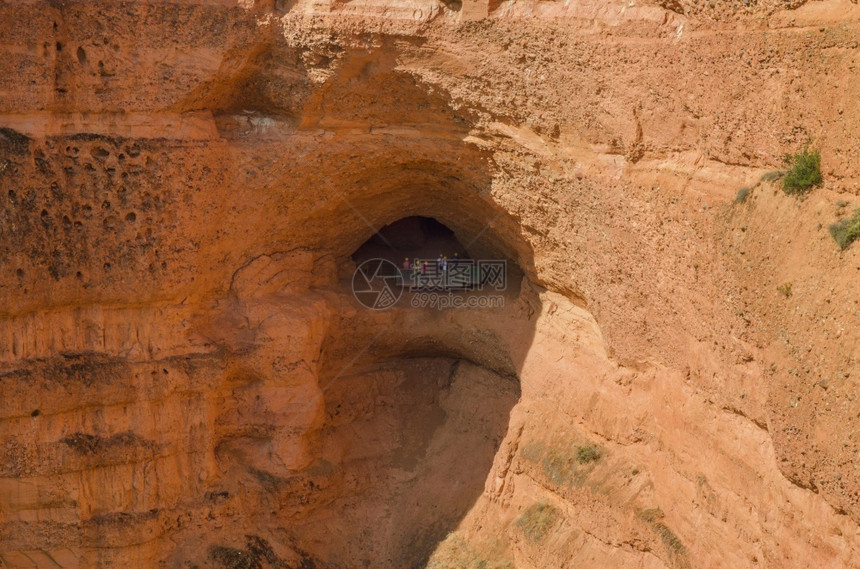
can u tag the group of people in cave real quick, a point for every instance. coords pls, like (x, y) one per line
(421, 266)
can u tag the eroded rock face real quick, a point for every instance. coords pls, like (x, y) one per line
(188, 381)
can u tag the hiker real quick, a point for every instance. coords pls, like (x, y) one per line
(406, 264)
(424, 268)
(439, 262)
(444, 264)
(415, 272)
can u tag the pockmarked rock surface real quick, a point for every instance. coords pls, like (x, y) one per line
(669, 378)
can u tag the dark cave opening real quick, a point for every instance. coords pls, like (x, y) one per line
(424, 250)
(412, 237)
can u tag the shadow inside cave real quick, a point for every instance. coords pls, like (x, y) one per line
(416, 401)
(416, 438)
(414, 423)
(425, 240)
(414, 237)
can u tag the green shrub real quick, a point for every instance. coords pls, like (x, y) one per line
(846, 231)
(654, 516)
(586, 454)
(804, 172)
(559, 467)
(742, 195)
(772, 176)
(784, 290)
(651, 515)
(670, 540)
(564, 464)
(537, 520)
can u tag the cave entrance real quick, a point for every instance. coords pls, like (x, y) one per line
(417, 400)
(426, 239)
(413, 237)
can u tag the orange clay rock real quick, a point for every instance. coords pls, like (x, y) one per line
(669, 378)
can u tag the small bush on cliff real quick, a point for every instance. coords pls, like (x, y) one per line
(804, 172)
(586, 454)
(654, 516)
(559, 467)
(772, 176)
(670, 540)
(847, 231)
(742, 195)
(537, 520)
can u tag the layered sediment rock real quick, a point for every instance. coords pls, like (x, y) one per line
(188, 381)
